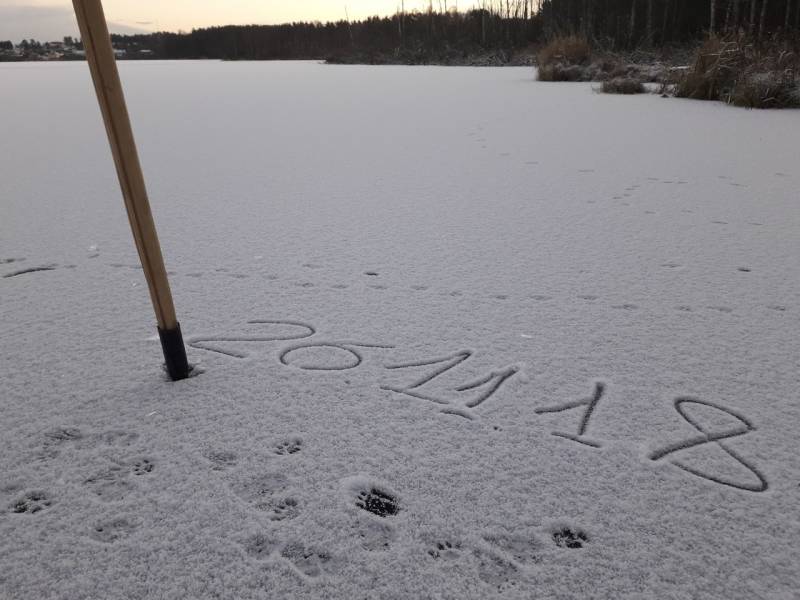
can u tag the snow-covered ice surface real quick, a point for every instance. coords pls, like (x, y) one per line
(462, 335)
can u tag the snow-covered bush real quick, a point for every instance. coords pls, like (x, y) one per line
(565, 58)
(570, 50)
(623, 85)
(738, 71)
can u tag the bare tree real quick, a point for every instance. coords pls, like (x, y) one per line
(713, 15)
(727, 25)
(763, 18)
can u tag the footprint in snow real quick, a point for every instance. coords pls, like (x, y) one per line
(142, 466)
(495, 570)
(55, 439)
(110, 485)
(114, 437)
(371, 497)
(446, 549)
(112, 530)
(284, 509)
(262, 490)
(59, 435)
(374, 536)
(309, 561)
(497, 557)
(221, 459)
(377, 502)
(522, 548)
(32, 503)
(260, 546)
(289, 446)
(567, 537)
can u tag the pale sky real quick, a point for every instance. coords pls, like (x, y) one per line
(52, 19)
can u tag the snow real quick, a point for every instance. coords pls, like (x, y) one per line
(459, 334)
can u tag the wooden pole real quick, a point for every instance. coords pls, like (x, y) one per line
(107, 85)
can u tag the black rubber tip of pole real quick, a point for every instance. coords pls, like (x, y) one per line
(174, 352)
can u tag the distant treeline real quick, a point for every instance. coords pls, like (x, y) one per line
(634, 23)
(498, 26)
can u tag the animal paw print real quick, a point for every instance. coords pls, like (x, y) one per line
(60, 435)
(377, 502)
(110, 485)
(260, 491)
(55, 438)
(287, 447)
(310, 562)
(32, 503)
(375, 536)
(570, 538)
(260, 546)
(142, 467)
(495, 570)
(523, 549)
(283, 510)
(117, 437)
(222, 459)
(445, 549)
(113, 530)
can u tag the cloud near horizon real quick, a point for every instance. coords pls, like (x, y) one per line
(53, 19)
(46, 23)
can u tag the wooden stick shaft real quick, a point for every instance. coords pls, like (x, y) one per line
(107, 85)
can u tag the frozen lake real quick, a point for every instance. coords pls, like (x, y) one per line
(463, 335)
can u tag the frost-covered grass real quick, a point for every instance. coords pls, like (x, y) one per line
(740, 71)
(459, 334)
